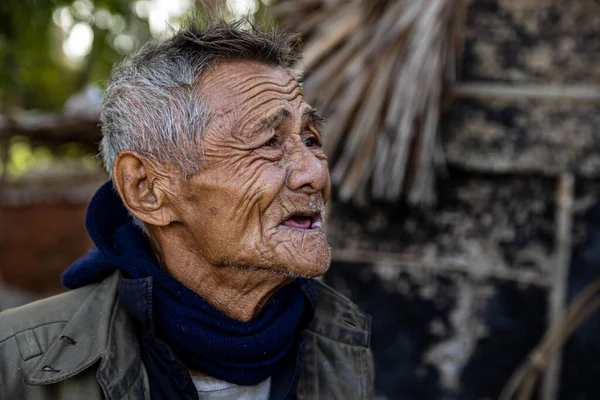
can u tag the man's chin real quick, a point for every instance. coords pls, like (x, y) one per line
(306, 254)
(313, 271)
(311, 264)
(290, 253)
(290, 269)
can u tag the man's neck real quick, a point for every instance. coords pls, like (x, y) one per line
(238, 292)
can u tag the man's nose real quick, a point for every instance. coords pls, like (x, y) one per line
(307, 172)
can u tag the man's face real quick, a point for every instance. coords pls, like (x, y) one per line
(258, 201)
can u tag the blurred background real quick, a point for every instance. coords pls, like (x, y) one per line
(464, 146)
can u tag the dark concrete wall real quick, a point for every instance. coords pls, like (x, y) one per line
(458, 331)
(459, 293)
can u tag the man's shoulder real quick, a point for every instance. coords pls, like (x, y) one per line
(53, 340)
(55, 310)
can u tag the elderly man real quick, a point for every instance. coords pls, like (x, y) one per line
(206, 238)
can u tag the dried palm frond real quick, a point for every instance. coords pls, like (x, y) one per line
(377, 69)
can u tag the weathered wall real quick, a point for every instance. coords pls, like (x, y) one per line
(532, 41)
(459, 294)
(42, 231)
(38, 241)
(524, 42)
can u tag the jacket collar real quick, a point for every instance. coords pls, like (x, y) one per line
(90, 337)
(340, 320)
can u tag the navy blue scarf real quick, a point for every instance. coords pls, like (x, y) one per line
(203, 338)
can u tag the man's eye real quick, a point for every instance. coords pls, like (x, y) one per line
(311, 142)
(271, 143)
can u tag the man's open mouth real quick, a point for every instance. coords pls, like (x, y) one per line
(304, 220)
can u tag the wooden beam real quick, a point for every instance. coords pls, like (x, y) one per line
(53, 129)
(412, 263)
(558, 294)
(587, 92)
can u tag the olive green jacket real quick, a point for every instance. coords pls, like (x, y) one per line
(82, 345)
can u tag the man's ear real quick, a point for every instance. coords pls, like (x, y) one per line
(139, 181)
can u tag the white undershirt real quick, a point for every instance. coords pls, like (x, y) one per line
(210, 388)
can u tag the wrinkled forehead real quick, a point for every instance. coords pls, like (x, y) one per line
(241, 84)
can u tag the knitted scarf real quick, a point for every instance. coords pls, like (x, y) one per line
(203, 338)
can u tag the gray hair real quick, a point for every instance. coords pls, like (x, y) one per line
(152, 104)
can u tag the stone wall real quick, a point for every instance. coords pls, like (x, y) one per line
(460, 293)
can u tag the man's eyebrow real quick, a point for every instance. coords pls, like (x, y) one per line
(271, 120)
(314, 116)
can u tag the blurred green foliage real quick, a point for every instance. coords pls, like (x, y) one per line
(34, 71)
(51, 49)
